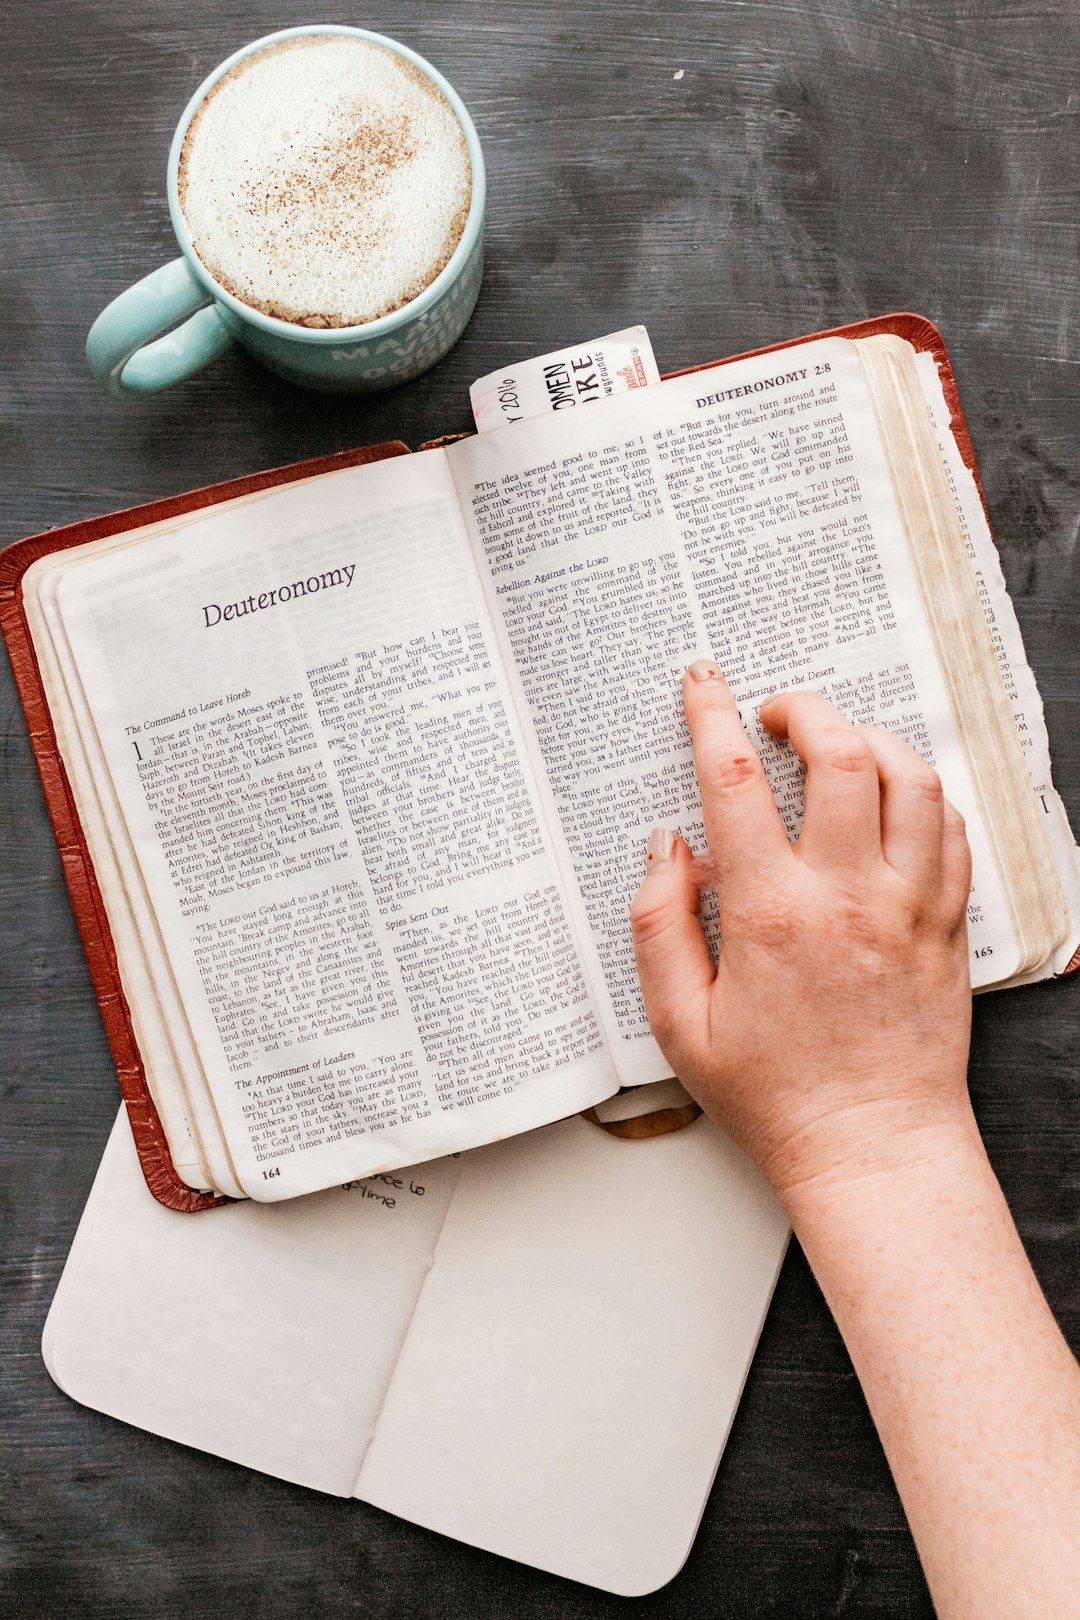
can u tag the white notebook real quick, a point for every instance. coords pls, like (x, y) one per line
(536, 1348)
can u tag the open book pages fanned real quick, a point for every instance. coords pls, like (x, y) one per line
(366, 763)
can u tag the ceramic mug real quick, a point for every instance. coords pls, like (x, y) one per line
(179, 318)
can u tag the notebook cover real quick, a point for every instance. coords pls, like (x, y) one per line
(86, 901)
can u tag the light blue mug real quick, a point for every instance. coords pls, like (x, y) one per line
(179, 318)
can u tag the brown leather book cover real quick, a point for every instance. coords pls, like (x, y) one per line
(153, 1149)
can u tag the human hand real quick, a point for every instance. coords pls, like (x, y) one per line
(831, 1038)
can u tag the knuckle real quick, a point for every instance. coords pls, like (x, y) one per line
(866, 940)
(849, 753)
(925, 783)
(954, 821)
(649, 918)
(731, 772)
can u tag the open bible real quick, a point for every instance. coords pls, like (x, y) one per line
(365, 762)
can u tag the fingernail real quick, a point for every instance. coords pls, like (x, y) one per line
(661, 845)
(703, 670)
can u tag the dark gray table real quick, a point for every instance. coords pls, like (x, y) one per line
(812, 165)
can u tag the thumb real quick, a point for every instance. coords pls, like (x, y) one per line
(674, 964)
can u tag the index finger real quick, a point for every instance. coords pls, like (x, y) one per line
(745, 834)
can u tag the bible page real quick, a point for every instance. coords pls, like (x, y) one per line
(743, 513)
(302, 716)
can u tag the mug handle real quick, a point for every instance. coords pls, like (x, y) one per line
(136, 346)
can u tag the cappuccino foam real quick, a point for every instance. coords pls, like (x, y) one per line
(325, 180)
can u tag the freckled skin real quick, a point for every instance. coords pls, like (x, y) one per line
(831, 1041)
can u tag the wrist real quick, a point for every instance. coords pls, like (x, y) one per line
(888, 1162)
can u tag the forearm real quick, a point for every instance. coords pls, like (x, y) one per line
(973, 1390)
(830, 1039)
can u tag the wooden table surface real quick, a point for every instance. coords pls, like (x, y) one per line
(731, 174)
